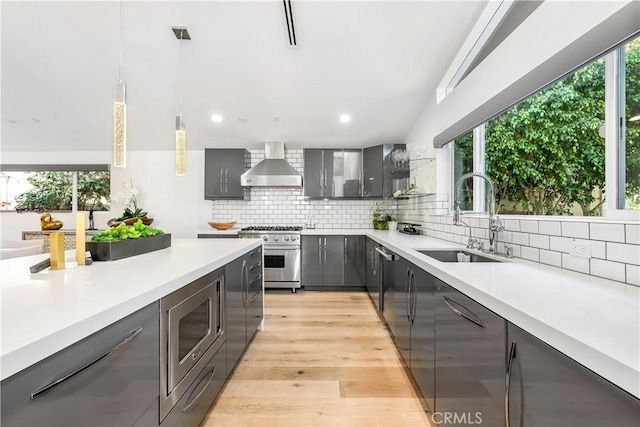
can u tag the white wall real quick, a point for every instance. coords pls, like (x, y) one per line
(176, 203)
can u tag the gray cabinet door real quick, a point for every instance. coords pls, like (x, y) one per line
(389, 267)
(213, 174)
(351, 174)
(547, 388)
(234, 167)
(312, 260)
(114, 391)
(254, 295)
(470, 359)
(372, 172)
(373, 276)
(313, 182)
(222, 170)
(395, 176)
(333, 257)
(402, 333)
(354, 257)
(423, 333)
(236, 324)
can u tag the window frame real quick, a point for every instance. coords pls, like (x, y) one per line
(615, 172)
(73, 168)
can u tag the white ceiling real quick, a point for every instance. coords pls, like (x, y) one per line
(375, 60)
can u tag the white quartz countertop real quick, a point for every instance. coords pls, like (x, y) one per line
(45, 312)
(213, 231)
(592, 320)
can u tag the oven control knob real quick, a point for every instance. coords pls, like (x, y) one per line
(265, 238)
(276, 238)
(293, 238)
(286, 238)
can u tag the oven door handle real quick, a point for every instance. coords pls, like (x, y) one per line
(282, 248)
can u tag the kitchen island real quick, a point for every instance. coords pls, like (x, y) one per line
(46, 312)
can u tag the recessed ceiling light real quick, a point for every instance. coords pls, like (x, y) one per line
(345, 118)
(217, 118)
(242, 119)
(634, 118)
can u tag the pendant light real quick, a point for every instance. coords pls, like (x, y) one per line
(181, 133)
(120, 110)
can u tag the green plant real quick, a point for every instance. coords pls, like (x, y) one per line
(125, 232)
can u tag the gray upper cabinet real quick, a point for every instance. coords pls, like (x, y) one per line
(469, 359)
(332, 174)
(382, 176)
(222, 170)
(108, 379)
(547, 388)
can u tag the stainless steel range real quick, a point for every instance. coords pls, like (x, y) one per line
(281, 254)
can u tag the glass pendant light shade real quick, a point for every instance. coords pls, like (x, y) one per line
(120, 126)
(181, 146)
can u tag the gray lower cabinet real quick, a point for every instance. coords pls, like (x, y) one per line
(469, 359)
(222, 170)
(333, 261)
(414, 323)
(243, 304)
(107, 379)
(197, 400)
(547, 388)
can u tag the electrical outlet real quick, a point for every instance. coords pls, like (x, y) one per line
(582, 251)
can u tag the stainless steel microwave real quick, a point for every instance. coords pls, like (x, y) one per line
(191, 321)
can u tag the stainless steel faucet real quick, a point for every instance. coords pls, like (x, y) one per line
(495, 225)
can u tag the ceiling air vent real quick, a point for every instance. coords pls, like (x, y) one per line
(291, 29)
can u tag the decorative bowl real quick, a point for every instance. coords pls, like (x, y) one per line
(222, 225)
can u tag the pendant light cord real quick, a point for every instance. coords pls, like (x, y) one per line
(181, 35)
(121, 39)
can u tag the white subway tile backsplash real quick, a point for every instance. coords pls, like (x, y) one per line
(552, 228)
(521, 239)
(574, 263)
(551, 258)
(531, 254)
(608, 269)
(529, 226)
(575, 229)
(539, 241)
(633, 233)
(512, 224)
(560, 244)
(598, 249)
(608, 232)
(620, 252)
(633, 274)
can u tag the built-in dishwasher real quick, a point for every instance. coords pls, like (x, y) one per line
(388, 259)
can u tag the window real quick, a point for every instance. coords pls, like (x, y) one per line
(55, 187)
(462, 164)
(547, 154)
(631, 114)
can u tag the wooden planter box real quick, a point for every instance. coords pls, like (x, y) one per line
(111, 251)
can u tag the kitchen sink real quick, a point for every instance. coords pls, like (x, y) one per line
(452, 256)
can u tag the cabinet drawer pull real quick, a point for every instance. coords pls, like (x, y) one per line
(59, 381)
(210, 374)
(255, 266)
(255, 253)
(388, 257)
(470, 317)
(507, 392)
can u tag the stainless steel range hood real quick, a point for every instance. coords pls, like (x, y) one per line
(273, 171)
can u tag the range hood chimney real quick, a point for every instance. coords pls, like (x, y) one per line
(273, 171)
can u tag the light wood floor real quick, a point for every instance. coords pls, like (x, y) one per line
(324, 359)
